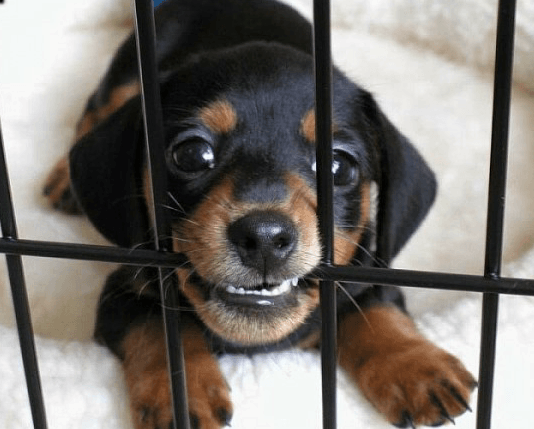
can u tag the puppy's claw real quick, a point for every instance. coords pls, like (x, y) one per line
(194, 422)
(224, 416)
(460, 398)
(443, 411)
(406, 422)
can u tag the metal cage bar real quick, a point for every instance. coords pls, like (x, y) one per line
(20, 298)
(325, 212)
(496, 196)
(491, 283)
(145, 33)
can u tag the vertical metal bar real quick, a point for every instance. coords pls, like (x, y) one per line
(497, 187)
(20, 299)
(323, 106)
(146, 51)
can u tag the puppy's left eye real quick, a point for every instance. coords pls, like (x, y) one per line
(344, 169)
(192, 154)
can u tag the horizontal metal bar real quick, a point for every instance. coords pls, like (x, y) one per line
(389, 276)
(428, 280)
(91, 253)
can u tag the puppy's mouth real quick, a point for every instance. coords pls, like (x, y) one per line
(249, 314)
(261, 295)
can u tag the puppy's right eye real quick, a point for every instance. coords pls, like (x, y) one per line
(191, 154)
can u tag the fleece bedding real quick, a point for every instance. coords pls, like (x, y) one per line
(428, 63)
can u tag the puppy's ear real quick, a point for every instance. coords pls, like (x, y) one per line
(106, 176)
(407, 186)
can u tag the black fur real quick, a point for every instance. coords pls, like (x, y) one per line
(256, 54)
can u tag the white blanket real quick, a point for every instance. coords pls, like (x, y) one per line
(51, 56)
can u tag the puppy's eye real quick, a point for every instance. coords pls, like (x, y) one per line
(193, 154)
(344, 169)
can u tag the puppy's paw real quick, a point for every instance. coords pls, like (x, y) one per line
(209, 401)
(145, 367)
(58, 191)
(150, 399)
(208, 394)
(417, 385)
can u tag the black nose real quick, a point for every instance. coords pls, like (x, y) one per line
(264, 240)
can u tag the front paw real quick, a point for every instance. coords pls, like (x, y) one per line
(417, 385)
(208, 399)
(208, 394)
(58, 189)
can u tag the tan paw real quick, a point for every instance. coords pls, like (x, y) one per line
(418, 385)
(208, 394)
(148, 384)
(58, 191)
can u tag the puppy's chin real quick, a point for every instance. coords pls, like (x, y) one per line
(254, 315)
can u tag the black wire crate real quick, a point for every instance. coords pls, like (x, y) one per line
(491, 284)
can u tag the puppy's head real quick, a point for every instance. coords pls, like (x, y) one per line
(240, 158)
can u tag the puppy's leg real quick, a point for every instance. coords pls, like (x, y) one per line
(129, 323)
(148, 382)
(406, 377)
(58, 190)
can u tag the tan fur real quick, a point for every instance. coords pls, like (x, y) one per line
(207, 249)
(203, 239)
(346, 241)
(117, 98)
(307, 126)
(58, 180)
(397, 368)
(220, 117)
(145, 366)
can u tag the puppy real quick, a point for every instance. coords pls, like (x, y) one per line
(237, 93)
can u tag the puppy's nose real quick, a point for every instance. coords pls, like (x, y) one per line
(264, 240)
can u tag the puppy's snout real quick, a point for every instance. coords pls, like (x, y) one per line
(263, 240)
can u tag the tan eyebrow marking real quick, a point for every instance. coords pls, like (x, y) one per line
(219, 116)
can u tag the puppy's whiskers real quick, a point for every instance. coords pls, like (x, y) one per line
(351, 299)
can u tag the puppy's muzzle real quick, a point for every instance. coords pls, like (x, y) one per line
(264, 240)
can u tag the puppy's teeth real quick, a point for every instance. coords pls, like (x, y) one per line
(241, 291)
(285, 286)
(266, 292)
(231, 289)
(295, 281)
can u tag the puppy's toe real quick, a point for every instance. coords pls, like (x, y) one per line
(58, 191)
(150, 399)
(421, 385)
(210, 405)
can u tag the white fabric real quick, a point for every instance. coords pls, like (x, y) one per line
(51, 56)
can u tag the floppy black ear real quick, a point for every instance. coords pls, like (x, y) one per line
(407, 186)
(106, 176)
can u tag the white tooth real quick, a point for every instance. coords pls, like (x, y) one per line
(231, 289)
(256, 292)
(266, 292)
(285, 286)
(241, 291)
(295, 281)
(275, 291)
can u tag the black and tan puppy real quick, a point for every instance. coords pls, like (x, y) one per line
(237, 92)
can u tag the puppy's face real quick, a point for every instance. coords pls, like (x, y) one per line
(241, 169)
